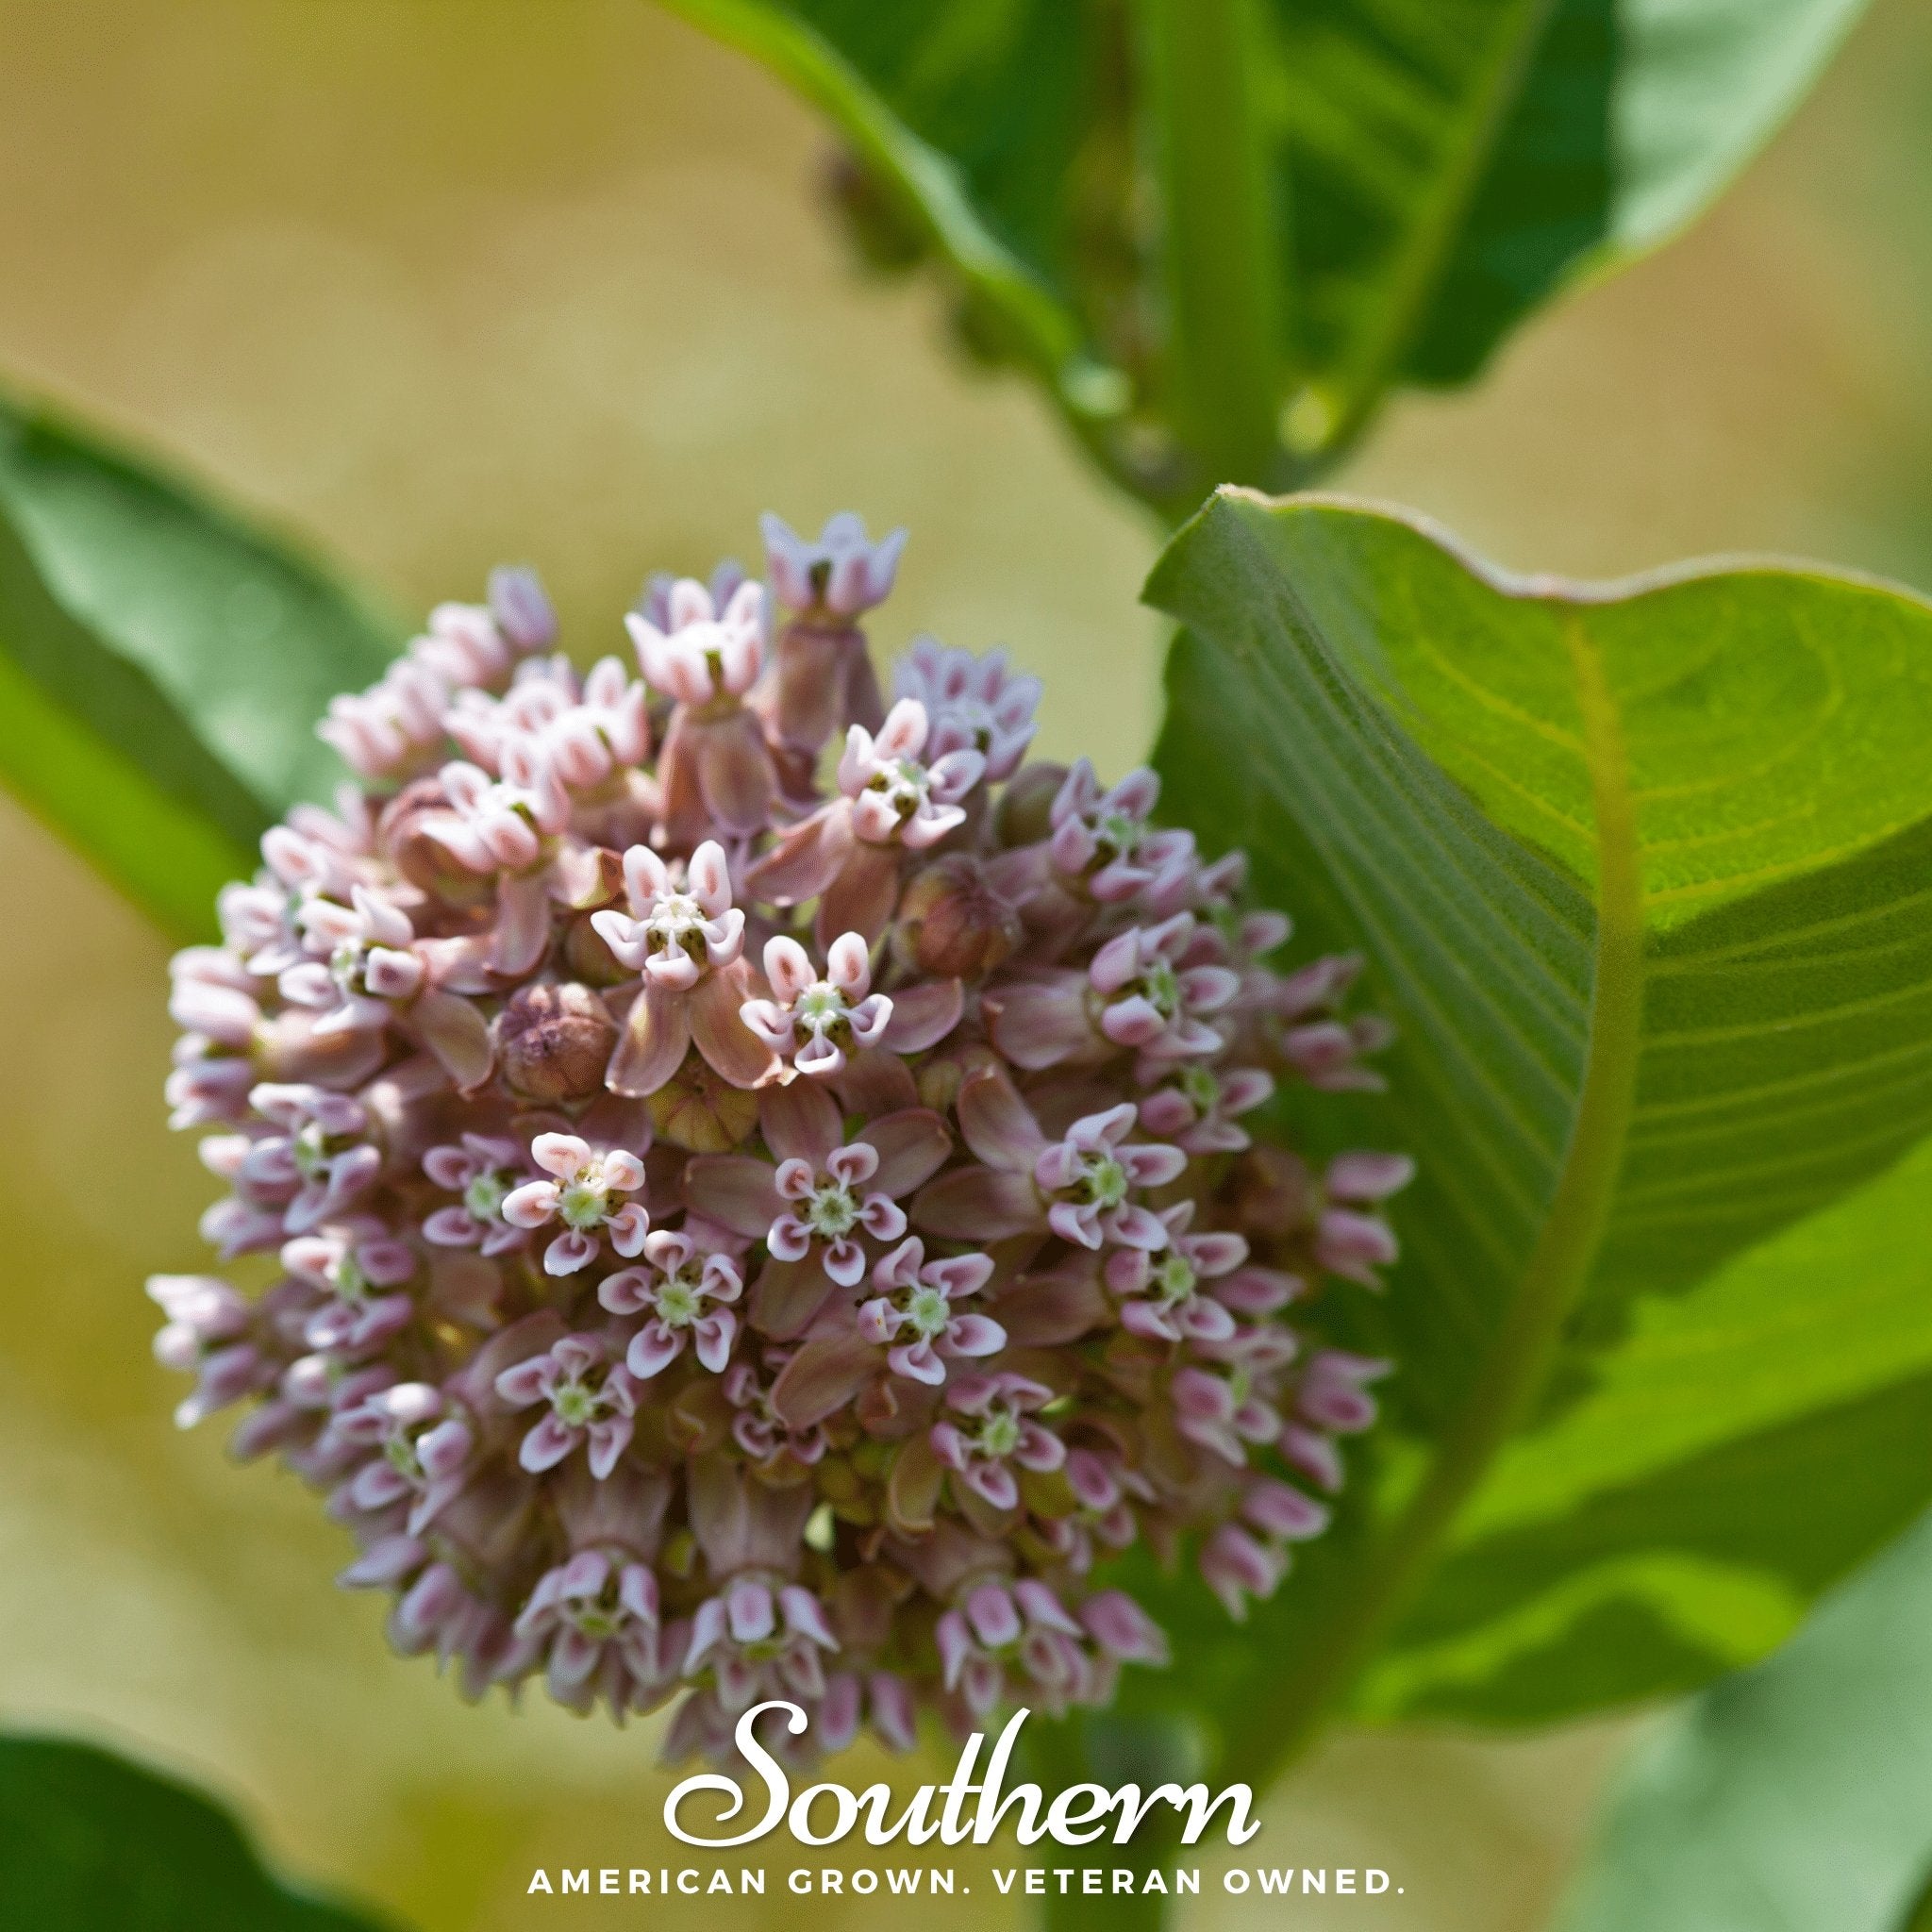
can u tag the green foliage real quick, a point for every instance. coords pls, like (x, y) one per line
(90, 1841)
(162, 668)
(1641, 878)
(1791, 1799)
(1220, 231)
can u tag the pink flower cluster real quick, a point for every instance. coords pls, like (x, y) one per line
(726, 1238)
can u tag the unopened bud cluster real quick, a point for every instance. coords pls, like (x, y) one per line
(732, 1233)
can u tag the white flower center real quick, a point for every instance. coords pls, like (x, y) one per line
(483, 1197)
(345, 965)
(680, 1300)
(1161, 987)
(677, 924)
(820, 1012)
(1174, 1278)
(599, 1620)
(311, 1146)
(830, 1210)
(1200, 1087)
(928, 1311)
(576, 1404)
(1103, 1181)
(1120, 832)
(584, 1201)
(904, 784)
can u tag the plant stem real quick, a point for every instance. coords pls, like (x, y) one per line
(1221, 242)
(1517, 1366)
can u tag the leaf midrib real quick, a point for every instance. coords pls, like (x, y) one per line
(1518, 1360)
(1416, 270)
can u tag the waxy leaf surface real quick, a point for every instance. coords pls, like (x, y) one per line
(162, 668)
(90, 1841)
(1643, 875)
(1193, 216)
(1793, 1798)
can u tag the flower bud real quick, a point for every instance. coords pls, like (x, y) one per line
(699, 1110)
(588, 955)
(1026, 805)
(420, 858)
(953, 923)
(554, 1041)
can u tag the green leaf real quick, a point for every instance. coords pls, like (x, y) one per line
(1791, 1799)
(88, 1842)
(161, 667)
(1220, 231)
(1641, 873)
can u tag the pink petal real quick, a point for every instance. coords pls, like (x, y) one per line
(924, 1014)
(1123, 1629)
(821, 1378)
(993, 1482)
(991, 1612)
(729, 1047)
(976, 1204)
(1040, 1022)
(911, 1147)
(1133, 1022)
(997, 1125)
(801, 1122)
(859, 900)
(714, 1335)
(848, 966)
(972, 1335)
(522, 924)
(787, 1296)
(918, 1362)
(844, 1261)
(735, 773)
(1365, 1176)
(568, 1254)
(609, 1440)
(804, 861)
(656, 1033)
(531, 1205)
(451, 1028)
(733, 1189)
(546, 1445)
(788, 968)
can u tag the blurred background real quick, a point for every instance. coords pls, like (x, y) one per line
(442, 285)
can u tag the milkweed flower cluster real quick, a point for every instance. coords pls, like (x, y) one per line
(726, 1233)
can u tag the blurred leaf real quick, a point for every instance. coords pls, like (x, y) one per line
(161, 667)
(1791, 1799)
(88, 1842)
(1206, 226)
(1642, 876)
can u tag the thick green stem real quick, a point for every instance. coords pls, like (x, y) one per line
(1221, 249)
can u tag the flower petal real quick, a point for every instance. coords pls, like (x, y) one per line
(912, 1144)
(734, 1189)
(976, 1204)
(656, 1033)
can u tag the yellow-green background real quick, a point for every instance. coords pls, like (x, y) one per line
(445, 283)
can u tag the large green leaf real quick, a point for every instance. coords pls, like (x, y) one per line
(1219, 231)
(1791, 1799)
(88, 1842)
(161, 667)
(1642, 876)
